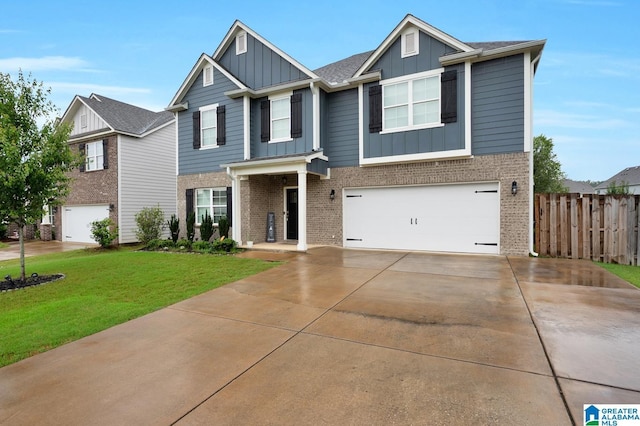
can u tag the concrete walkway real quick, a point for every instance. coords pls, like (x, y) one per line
(354, 337)
(37, 247)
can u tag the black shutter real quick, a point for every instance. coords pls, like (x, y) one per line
(189, 202)
(296, 115)
(196, 130)
(375, 109)
(83, 156)
(265, 121)
(229, 206)
(449, 89)
(105, 153)
(222, 131)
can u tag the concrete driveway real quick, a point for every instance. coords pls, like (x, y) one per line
(354, 337)
(37, 247)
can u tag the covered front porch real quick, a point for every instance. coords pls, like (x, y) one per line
(270, 198)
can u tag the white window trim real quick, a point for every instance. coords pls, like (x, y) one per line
(213, 107)
(205, 83)
(416, 42)
(211, 205)
(271, 100)
(410, 78)
(241, 49)
(99, 164)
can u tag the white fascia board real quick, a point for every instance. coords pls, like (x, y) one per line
(414, 158)
(501, 52)
(273, 165)
(411, 20)
(81, 138)
(239, 26)
(287, 87)
(71, 108)
(193, 74)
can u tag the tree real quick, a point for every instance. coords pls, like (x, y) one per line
(618, 189)
(547, 170)
(34, 160)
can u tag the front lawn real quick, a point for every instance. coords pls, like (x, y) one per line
(626, 272)
(3, 245)
(103, 288)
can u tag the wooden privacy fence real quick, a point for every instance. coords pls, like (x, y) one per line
(603, 228)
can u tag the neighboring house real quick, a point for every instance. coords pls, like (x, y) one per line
(579, 187)
(419, 144)
(130, 163)
(629, 176)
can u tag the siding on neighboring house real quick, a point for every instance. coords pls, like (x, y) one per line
(208, 160)
(497, 104)
(295, 146)
(341, 140)
(260, 66)
(93, 121)
(150, 160)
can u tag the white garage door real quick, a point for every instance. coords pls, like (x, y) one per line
(462, 218)
(76, 222)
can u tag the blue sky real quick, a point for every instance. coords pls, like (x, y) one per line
(587, 88)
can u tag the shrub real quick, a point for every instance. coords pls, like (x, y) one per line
(150, 222)
(201, 246)
(183, 243)
(174, 227)
(104, 232)
(3, 231)
(223, 227)
(224, 244)
(206, 227)
(156, 244)
(191, 226)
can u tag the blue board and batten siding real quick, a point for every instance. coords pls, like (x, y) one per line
(208, 160)
(340, 132)
(497, 103)
(299, 145)
(446, 138)
(259, 66)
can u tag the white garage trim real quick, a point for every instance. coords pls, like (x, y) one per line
(76, 221)
(462, 218)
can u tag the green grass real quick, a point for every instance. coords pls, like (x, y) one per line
(3, 245)
(626, 272)
(102, 289)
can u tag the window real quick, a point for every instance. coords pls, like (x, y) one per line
(208, 126)
(207, 75)
(241, 43)
(212, 201)
(410, 42)
(280, 119)
(409, 104)
(52, 215)
(95, 156)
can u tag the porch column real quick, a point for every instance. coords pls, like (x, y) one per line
(302, 210)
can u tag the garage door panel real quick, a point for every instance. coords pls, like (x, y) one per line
(76, 222)
(455, 218)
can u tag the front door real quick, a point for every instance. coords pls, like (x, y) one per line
(291, 214)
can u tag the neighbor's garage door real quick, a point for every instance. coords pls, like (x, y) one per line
(76, 222)
(461, 218)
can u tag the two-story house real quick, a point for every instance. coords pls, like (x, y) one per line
(421, 144)
(129, 163)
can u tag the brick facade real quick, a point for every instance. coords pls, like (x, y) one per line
(94, 187)
(262, 194)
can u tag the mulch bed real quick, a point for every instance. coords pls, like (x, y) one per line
(16, 283)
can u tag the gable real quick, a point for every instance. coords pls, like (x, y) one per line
(260, 66)
(83, 118)
(392, 64)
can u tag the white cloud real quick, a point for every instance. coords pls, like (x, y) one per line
(88, 88)
(45, 63)
(576, 121)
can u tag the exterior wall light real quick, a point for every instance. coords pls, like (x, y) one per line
(284, 180)
(514, 187)
(332, 195)
(111, 207)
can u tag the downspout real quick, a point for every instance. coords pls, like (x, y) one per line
(532, 195)
(316, 115)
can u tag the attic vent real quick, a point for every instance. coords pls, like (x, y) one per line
(241, 43)
(83, 121)
(410, 43)
(207, 79)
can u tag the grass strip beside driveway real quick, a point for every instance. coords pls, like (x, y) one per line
(103, 288)
(626, 272)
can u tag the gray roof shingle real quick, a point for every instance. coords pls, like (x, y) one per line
(630, 176)
(579, 187)
(126, 118)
